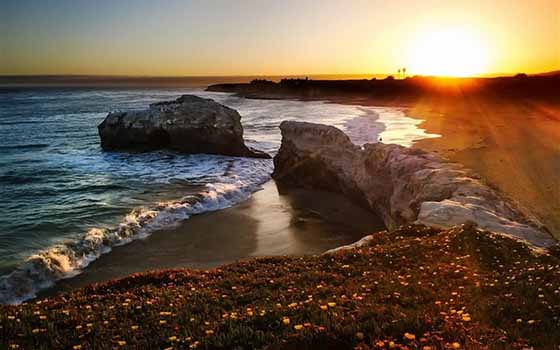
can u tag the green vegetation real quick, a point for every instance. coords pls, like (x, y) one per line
(413, 288)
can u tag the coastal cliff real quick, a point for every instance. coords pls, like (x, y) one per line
(190, 124)
(399, 184)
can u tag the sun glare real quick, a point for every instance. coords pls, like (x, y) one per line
(448, 52)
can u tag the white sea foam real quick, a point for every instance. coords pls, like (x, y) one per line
(44, 268)
(228, 180)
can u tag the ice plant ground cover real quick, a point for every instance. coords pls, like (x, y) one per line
(413, 288)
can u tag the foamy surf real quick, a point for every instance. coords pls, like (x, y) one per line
(44, 268)
(71, 185)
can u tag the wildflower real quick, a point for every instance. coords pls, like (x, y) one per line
(380, 344)
(530, 321)
(409, 336)
(162, 321)
(209, 332)
(324, 307)
(77, 347)
(519, 320)
(391, 344)
(285, 320)
(466, 318)
(292, 305)
(121, 343)
(331, 304)
(172, 338)
(42, 317)
(298, 327)
(456, 345)
(34, 331)
(134, 327)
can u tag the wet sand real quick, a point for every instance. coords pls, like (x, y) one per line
(271, 222)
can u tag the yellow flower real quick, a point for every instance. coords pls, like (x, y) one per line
(456, 345)
(298, 327)
(77, 347)
(162, 321)
(209, 332)
(391, 344)
(466, 318)
(121, 343)
(172, 338)
(324, 307)
(409, 336)
(285, 320)
(134, 328)
(380, 344)
(331, 304)
(292, 305)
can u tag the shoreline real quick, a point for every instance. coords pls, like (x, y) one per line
(272, 222)
(488, 135)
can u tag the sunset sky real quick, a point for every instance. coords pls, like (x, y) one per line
(178, 38)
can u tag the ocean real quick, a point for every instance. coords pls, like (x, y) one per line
(65, 201)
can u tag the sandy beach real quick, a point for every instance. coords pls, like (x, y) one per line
(272, 222)
(513, 144)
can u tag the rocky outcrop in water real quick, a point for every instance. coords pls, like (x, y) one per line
(401, 185)
(190, 124)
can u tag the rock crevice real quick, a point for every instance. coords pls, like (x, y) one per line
(401, 185)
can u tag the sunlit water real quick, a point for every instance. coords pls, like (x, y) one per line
(65, 201)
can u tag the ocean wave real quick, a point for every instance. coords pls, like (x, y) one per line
(42, 269)
(33, 146)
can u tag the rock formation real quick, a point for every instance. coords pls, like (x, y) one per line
(189, 124)
(401, 185)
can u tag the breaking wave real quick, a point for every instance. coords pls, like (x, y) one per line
(66, 260)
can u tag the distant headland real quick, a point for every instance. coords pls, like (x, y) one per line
(542, 86)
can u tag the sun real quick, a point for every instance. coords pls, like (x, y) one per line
(448, 52)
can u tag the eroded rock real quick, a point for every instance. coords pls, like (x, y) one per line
(190, 124)
(401, 185)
